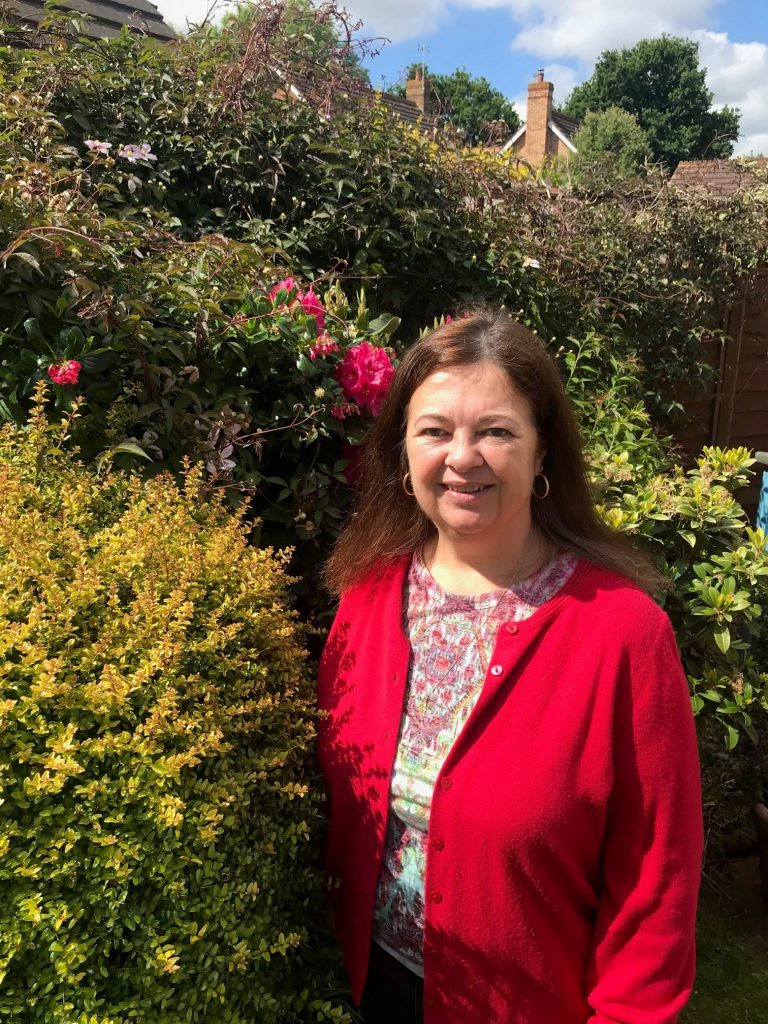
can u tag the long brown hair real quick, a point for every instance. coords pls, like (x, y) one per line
(386, 522)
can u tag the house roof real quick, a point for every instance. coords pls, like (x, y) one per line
(569, 126)
(408, 111)
(564, 127)
(106, 17)
(302, 87)
(718, 177)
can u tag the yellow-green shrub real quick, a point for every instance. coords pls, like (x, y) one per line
(155, 734)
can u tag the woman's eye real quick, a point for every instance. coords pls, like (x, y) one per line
(433, 432)
(497, 432)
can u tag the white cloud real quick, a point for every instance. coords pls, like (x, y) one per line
(737, 73)
(399, 20)
(552, 28)
(584, 28)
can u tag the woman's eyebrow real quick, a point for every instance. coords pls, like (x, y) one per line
(432, 416)
(490, 417)
(494, 417)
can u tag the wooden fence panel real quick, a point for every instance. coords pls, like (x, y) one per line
(734, 411)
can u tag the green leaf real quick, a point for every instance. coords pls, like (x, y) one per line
(132, 449)
(732, 735)
(384, 326)
(723, 638)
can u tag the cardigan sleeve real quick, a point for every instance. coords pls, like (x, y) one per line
(641, 964)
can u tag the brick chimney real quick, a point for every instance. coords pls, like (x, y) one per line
(418, 90)
(537, 120)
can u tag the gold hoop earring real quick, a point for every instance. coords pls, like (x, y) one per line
(406, 478)
(541, 497)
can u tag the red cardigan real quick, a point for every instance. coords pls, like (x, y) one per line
(565, 833)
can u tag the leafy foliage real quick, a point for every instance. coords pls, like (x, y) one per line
(688, 518)
(610, 144)
(660, 82)
(155, 275)
(341, 187)
(470, 104)
(158, 802)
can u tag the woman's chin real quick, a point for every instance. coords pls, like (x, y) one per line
(466, 524)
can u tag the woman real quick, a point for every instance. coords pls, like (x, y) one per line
(509, 751)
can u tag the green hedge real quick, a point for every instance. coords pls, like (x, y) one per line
(159, 814)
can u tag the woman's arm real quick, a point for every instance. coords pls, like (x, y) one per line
(641, 965)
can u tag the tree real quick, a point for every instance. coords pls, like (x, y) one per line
(661, 83)
(613, 141)
(325, 34)
(470, 104)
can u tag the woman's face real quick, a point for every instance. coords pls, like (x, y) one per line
(473, 451)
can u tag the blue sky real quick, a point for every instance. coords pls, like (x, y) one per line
(508, 40)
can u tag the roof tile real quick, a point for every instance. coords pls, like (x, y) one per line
(106, 17)
(719, 177)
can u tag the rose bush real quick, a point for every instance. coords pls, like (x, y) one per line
(335, 181)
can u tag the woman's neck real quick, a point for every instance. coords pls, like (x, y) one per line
(469, 569)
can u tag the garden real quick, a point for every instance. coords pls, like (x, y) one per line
(206, 280)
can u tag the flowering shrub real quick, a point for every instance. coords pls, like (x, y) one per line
(186, 350)
(318, 184)
(160, 818)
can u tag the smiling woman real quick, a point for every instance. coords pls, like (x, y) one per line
(473, 452)
(466, 373)
(507, 742)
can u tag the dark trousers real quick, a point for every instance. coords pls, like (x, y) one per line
(393, 994)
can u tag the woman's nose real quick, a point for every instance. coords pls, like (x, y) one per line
(463, 452)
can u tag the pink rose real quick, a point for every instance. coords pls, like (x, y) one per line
(286, 285)
(365, 374)
(323, 347)
(311, 304)
(67, 372)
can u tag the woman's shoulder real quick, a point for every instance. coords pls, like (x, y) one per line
(611, 594)
(384, 578)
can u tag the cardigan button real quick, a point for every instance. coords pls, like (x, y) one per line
(436, 897)
(496, 670)
(438, 843)
(446, 782)
(432, 1004)
(433, 953)
(511, 627)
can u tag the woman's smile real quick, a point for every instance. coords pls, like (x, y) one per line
(466, 488)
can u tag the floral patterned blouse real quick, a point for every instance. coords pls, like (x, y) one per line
(452, 639)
